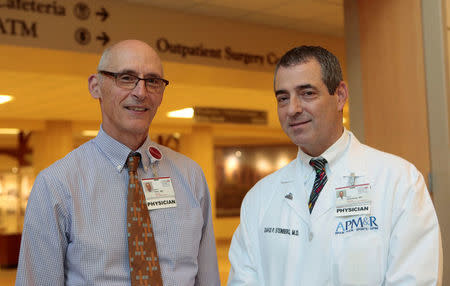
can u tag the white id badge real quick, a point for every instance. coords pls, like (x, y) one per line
(159, 193)
(353, 200)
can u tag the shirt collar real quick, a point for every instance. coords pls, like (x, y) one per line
(332, 154)
(117, 153)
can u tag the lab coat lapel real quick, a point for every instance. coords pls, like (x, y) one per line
(324, 201)
(293, 193)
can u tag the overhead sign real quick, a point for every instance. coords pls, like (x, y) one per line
(91, 25)
(227, 53)
(229, 115)
(31, 21)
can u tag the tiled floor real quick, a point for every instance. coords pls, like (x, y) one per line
(8, 276)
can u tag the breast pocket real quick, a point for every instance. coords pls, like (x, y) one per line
(358, 259)
(178, 232)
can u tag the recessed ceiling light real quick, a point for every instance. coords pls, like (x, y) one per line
(181, 113)
(5, 98)
(89, 133)
(9, 131)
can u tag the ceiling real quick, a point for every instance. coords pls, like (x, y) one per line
(42, 94)
(312, 16)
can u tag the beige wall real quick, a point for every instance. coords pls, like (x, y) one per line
(405, 91)
(393, 79)
(447, 17)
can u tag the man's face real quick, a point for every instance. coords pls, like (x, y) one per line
(127, 114)
(309, 115)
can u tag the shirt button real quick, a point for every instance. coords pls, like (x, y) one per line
(119, 167)
(311, 235)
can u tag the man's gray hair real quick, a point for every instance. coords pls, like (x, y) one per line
(329, 64)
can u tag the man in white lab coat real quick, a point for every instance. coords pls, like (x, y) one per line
(341, 213)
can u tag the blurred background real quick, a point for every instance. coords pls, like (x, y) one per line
(219, 108)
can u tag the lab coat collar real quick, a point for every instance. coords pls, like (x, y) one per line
(351, 163)
(354, 162)
(332, 154)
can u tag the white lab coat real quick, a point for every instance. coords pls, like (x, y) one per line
(279, 243)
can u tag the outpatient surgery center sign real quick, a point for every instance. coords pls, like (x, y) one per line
(227, 53)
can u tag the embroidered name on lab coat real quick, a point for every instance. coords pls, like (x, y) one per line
(279, 230)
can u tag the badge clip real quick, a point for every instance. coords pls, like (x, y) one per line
(155, 156)
(351, 179)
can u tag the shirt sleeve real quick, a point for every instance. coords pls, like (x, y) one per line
(243, 252)
(44, 239)
(208, 270)
(415, 249)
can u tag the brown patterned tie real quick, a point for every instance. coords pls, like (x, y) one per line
(144, 263)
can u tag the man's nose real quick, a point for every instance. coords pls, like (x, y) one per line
(295, 106)
(140, 90)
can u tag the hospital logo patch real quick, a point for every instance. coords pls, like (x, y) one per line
(362, 223)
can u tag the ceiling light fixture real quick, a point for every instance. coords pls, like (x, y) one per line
(181, 113)
(9, 131)
(89, 133)
(5, 98)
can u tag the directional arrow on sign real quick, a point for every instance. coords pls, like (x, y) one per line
(103, 14)
(103, 37)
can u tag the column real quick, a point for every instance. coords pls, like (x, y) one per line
(199, 146)
(51, 144)
(393, 78)
(400, 51)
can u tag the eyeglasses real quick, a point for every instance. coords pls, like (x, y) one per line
(129, 81)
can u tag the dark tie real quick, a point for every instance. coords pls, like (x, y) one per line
(144, 263)
(319, 181)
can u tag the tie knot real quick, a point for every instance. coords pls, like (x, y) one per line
(133, 161)
(318, 164)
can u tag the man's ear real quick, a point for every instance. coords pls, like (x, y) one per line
(94, 86)
(342, 95)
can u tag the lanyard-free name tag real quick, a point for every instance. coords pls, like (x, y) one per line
(159, 193)
(353, 200)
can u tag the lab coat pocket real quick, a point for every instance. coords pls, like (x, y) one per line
(358, 259)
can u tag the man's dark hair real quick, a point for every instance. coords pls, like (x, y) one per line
(329, 64)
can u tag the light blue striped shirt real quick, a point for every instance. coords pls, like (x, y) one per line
(75, 224)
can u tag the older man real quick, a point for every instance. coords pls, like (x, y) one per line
(342, 213)
(88, 220)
